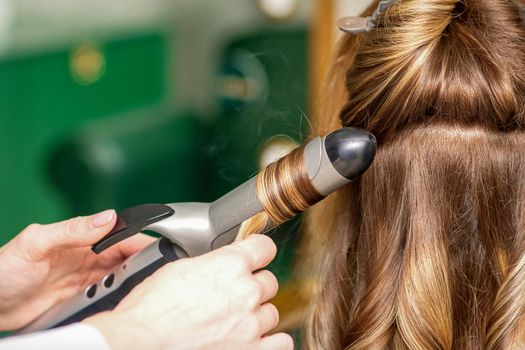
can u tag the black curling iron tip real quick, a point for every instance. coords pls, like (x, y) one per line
(351, 151)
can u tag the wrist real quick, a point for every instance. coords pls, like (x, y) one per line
(123, 333)
(9, 321)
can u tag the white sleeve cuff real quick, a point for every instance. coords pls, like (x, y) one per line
(77, 336)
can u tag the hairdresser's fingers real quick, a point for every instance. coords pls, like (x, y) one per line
(133, 244)
(267, 318)
(257, 250)
(279, 341)
(268, 284)
(81, 231)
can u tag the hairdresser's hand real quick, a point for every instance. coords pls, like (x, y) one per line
(215, 301)
(45, 264)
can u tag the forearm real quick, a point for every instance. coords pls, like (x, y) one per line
(122, 333)
(77, 336)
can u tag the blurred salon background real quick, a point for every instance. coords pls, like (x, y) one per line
(110, 104)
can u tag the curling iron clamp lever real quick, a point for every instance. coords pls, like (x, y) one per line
(131, 221)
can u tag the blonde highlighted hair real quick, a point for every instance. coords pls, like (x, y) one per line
(427, 249)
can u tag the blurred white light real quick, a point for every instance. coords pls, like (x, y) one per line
(6, 16)
(278, 9)
(275, 149)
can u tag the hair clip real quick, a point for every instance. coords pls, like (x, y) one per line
(356, 25)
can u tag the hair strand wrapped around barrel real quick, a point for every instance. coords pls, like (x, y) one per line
(284, 190)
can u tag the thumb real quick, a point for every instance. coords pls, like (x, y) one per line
(77, 232)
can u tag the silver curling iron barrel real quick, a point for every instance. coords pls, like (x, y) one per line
(191, 229)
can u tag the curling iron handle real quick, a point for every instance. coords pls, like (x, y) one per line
(111, 300)
(104, 296)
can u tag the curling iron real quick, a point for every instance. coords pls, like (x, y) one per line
(191, 229)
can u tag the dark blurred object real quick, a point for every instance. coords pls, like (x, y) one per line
(262, 89)
(155, 157)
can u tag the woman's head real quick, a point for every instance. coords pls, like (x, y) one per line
(427, 249)
(444, 61)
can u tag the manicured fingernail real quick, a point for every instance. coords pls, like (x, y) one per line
(102, 218)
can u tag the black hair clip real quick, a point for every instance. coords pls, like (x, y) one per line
(356, 25)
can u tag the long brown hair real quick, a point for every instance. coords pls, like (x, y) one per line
(427, 249)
